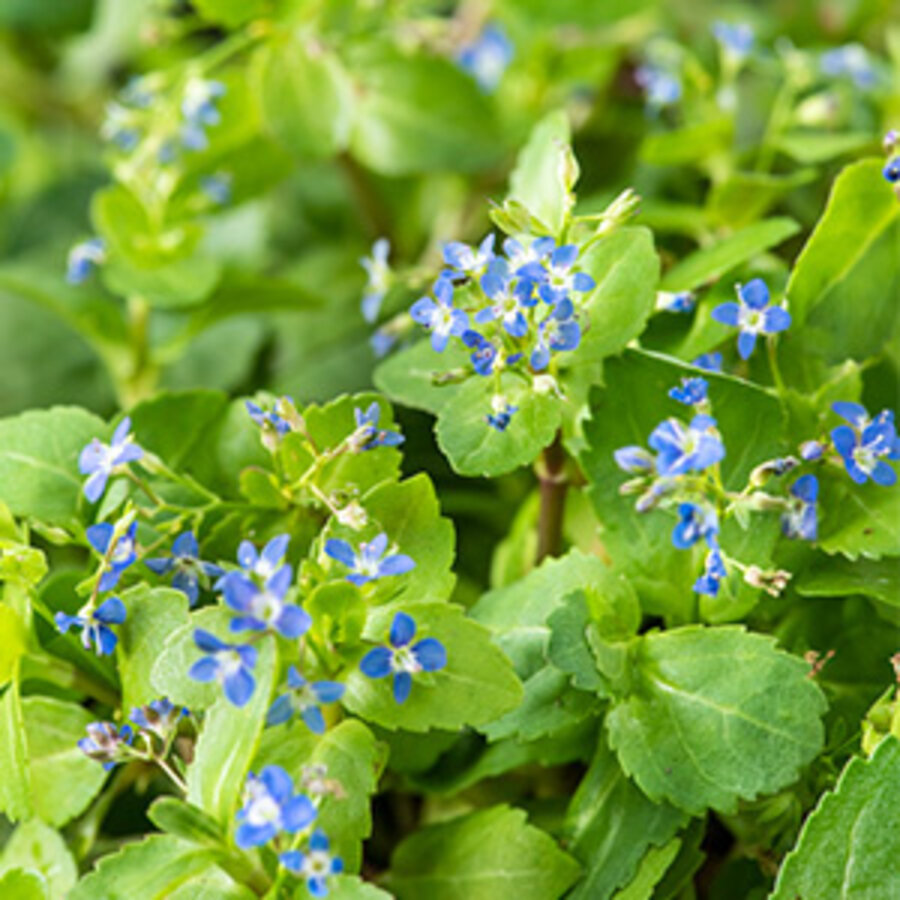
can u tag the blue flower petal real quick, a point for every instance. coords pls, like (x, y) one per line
(314, 719)
(398, 564)
(754, 294)
(297, 813)
(280, 711)
(431, 654)
(403, 630)
(402, 686)
(746, 344)
(238, 686)
(205, 669)
(111, 611)
(99, 536)
(293, 621)
(727, 313)
(341, 551)
(376, 663)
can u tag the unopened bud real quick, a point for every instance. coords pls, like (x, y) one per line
(763, 472)
(772, 581)
(353, 516)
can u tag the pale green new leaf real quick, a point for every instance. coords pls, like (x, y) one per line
(850, 844)
(23, 884)
(651, 872)
(15, 787)
(714, 715)
(36, 846)
(482, 856)
(408, 375)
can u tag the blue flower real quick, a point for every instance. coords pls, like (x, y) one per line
(105, 743)
(99, 460)
(368, 564)
(427, 655)
(305, 698)
(186, 565)
(94, 625)
(198, 107)
(501, 417)
(713, 573)
(382, 341)
(439, 315)
(487, 57)
(661, 87)
(711, 362)
(864, 442)
(217, 187)
(119, 128)
(378, 281)
(679, 302)
(684, 448)
(269, 420)
(509, 297)
(159, 716)
(634, 460)
(891, 170)
(536, 252)
(800, 520)
(559, 331)
(315, 865)
(695, 524)
(736, 40)
(692, 391)
(82, 259)
(467, 261)
(752, 316)
(270, 807)
(850, 60)
(484, 352)
(265, 564)
(556, 278)
(119, 558)
(229, 664)
(812, 450)
(373, 436)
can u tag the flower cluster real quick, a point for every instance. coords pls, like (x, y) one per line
(517, 310)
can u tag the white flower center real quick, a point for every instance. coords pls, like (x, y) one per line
(263, 810)
(404, 660)
(317, 864)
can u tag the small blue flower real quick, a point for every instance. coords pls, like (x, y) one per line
(487, 57)
(122, 555)
(501, 418)
(736, 40)
(559, 331)
(229, 664)
(714, 571)
(695, 524)
(635, 460)
(304, 698)
(269, 420)
(99, 460)
(373, 436)
(510, 298)
(159, 716)
(752, 315)
(119, 127)
(467, 261)
(217, 187)
(315, 865)
(864, 442)
(556, 278)
(266, 563)
(661, 87)
(94, 625)
(692, 391)
(800, 520)
(368, 565)
(679, 302)
(684, 448)
(82, 259)
(427, 655)
(186, 565)
(711, 362)
(270, 807)
(536, 252)
(891, 170)
(484, 352)
(812, 450)
(105, 743)
(378, 281)
(198, 107)
(439, 315)
(381, 342)
(852, 61)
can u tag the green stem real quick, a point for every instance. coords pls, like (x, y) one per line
(773, 365)
(141, 378)
(777, 117)
(553, 485)
(64, 674)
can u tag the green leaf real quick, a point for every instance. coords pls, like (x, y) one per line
(152, 868)
(212, 884)
(231, 13)
(694, 142)
(173, 285)
(745, 197)
(39, 462)
(228, 742)
(610, 825)
(15, 787)
(23, 884)
(821, 146)
(860, 209)
(305, 95)
(352, 757)
(153, 614)
(652, 870)
(850, 844)
(538, 181)
(487, 854)
(862, 520)
(407, 376)
(713, 715)
(568, 648)
(473, 447)
(711, 263)
(420, 114)
(185, 821)
(349, 887)
(836, 577)
(477, 685)
(35, 846)
(52, 730)
(53, 16)
(626, 269)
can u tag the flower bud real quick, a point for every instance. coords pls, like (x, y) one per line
(772, 581)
